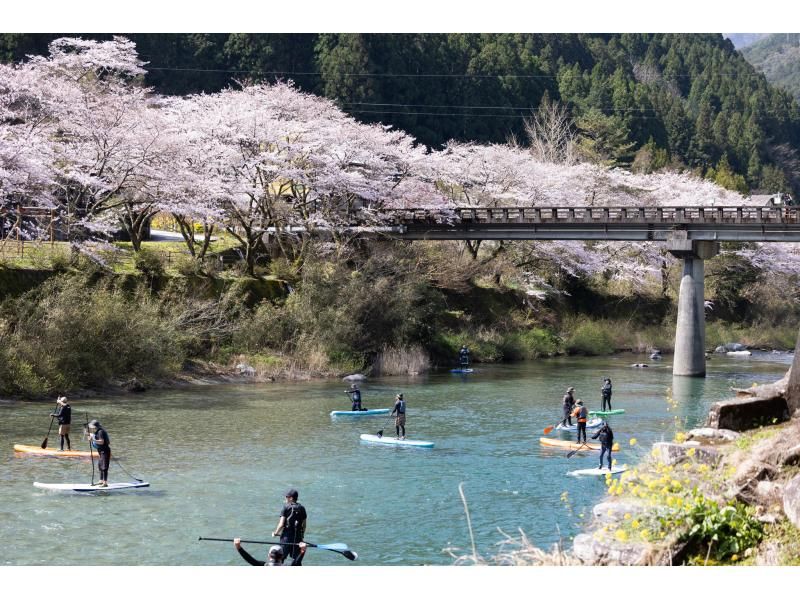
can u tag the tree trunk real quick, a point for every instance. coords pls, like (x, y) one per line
(793, 389)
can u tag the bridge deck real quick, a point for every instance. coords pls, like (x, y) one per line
(716, 223)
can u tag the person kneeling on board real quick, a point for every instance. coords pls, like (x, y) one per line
(355, 397)
(606, 437)
(291, 527)
(581, 414)
(275, 556)
(567, 405)
(100, 441)
(400, 420)
(64, 416)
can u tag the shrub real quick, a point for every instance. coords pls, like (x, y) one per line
(148, 262)
(529, 344)
(724, 532)
(590, 338)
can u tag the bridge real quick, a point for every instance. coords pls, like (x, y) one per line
(736, 223)
(692, 233)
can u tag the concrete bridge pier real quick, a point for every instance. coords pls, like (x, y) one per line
(690, 333)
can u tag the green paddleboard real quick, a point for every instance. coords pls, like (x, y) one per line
(612, 412)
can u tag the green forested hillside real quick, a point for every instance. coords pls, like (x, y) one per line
(641, 100)
(778, 57)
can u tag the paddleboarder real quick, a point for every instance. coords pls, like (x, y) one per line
(400, 419)
(102, 444)
(568, 403)
(606, 392)
(355, 397)
(463, 356)
(606, 436)
(275, 555)
(581, 414)
(64, 416)
(291, 527)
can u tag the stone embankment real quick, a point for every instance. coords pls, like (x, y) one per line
(736, 480)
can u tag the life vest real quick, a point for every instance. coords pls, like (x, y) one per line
(581, 413)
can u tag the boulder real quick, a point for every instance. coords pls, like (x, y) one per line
(134, 385)
(672, 453)
(245, 370)
(747, 413)
(713, 435)
(613, 511)
(768, 492)
(792, 456)
(595, 551)
(791, 500)
(734, 347)
(355, 378)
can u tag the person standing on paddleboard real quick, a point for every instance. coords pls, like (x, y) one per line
(581, 414)
(606, 436)
(291, 527)
(274, 555)
(355, 397)
(463, 356)
(64, 415)
(400, 420)
(606, 392)
(568, 403)
(102, 444)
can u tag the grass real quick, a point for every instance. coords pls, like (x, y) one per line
(750, 438)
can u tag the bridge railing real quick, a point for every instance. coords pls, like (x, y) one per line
(600, 215)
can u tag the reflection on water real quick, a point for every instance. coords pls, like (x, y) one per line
(219, 459)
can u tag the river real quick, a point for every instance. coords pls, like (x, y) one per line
(219, 459)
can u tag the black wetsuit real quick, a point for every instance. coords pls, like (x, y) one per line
(400, 420)
(253, 561)
(355, 396)
(64, 417)
(569, 403)
(103, 453)
(606, 390)
(294, 529)
(606, 437)
(464, 357)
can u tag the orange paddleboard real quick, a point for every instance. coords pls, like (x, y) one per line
(51, 452)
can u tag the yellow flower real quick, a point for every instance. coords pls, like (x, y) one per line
(691, 452)
(627, 516)
(735, 557)
(632, 441)
(564, 496)
(680, 437)
(635, 524)
(644, 534)
(621, 535)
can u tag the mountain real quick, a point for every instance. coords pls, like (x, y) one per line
(743, 40)
(778, 57)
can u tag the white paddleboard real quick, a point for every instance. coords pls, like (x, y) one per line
(90, 488)
(598, 472)
(335, 414)
(462, 370)
(373, 439)
(595, 422)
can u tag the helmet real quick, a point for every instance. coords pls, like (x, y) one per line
(62, 400)
(94, 424)
(571, 389)
(580, 402)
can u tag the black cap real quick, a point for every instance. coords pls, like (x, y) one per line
(291, 492)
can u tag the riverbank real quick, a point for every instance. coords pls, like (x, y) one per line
(711, 496)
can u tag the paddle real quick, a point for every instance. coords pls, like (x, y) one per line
(549, 429)
(342, 549)
(569, 454)
(125, 470)
(44, 442)
(89, 438)
(386, 423)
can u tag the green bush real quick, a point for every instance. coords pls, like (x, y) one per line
(722, 532)
(148, 262)
(590, 338)
(529, 344)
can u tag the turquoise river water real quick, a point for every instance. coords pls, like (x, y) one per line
(220, 457)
